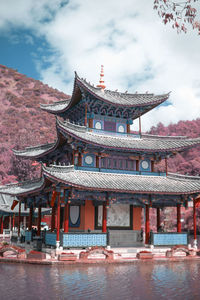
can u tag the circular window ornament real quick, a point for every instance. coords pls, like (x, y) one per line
(98, 125)
(145, 164)
(88, 160)
(121, 128)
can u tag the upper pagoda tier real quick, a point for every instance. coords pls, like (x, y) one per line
(103, 102)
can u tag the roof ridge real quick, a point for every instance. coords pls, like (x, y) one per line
(182, 176)
(60, 167)
(164, 136)
(21, 183)
(29, 148)
(55, 103)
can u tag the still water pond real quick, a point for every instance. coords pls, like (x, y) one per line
(140, 280)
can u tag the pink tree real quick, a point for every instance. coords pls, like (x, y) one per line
(181, 14)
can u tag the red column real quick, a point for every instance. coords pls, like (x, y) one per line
(1, 230)
(58, 219)
(13, 222)
(147, 227)
(194, 220)
(178, 217)
(158, 218)
(30, 218)
(39, 221)
(104, 221)
(19, 218)
(66, 218)
(53, 212)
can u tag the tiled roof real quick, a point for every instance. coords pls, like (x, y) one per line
(124, 99)
(57, 106)
(35, 151)
(172, 184)
(147, 143)
(111, 97)
(6, 203)
(22, 188)
(127, 142)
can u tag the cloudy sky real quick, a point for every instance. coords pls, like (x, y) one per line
(50, 39)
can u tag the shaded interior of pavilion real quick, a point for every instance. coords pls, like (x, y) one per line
(62, 233)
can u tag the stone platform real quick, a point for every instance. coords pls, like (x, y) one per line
(94, 254)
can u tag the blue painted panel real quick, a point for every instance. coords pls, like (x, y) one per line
(170, 239)
(145, 161)
(84, 240)
(85, 164)
(124, 126)
(100, 121)
(86, 168)
(120, 171)
(50, 239)
(28, 236)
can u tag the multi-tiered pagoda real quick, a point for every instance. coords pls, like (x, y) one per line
(99, 175)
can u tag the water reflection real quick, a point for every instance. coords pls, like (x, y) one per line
(140, 280)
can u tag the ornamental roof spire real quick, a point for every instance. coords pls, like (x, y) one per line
(101, 81)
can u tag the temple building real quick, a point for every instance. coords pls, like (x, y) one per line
(98, 176)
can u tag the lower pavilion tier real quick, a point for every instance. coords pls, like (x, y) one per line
(99, 208)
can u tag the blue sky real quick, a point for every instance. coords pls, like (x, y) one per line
(18, 53)
(50, 39)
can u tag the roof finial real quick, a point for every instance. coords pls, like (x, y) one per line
(101, 81)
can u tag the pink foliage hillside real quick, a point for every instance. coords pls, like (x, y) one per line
(187, 162)
(22, 122)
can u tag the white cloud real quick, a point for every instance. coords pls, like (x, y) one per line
(137, 50)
